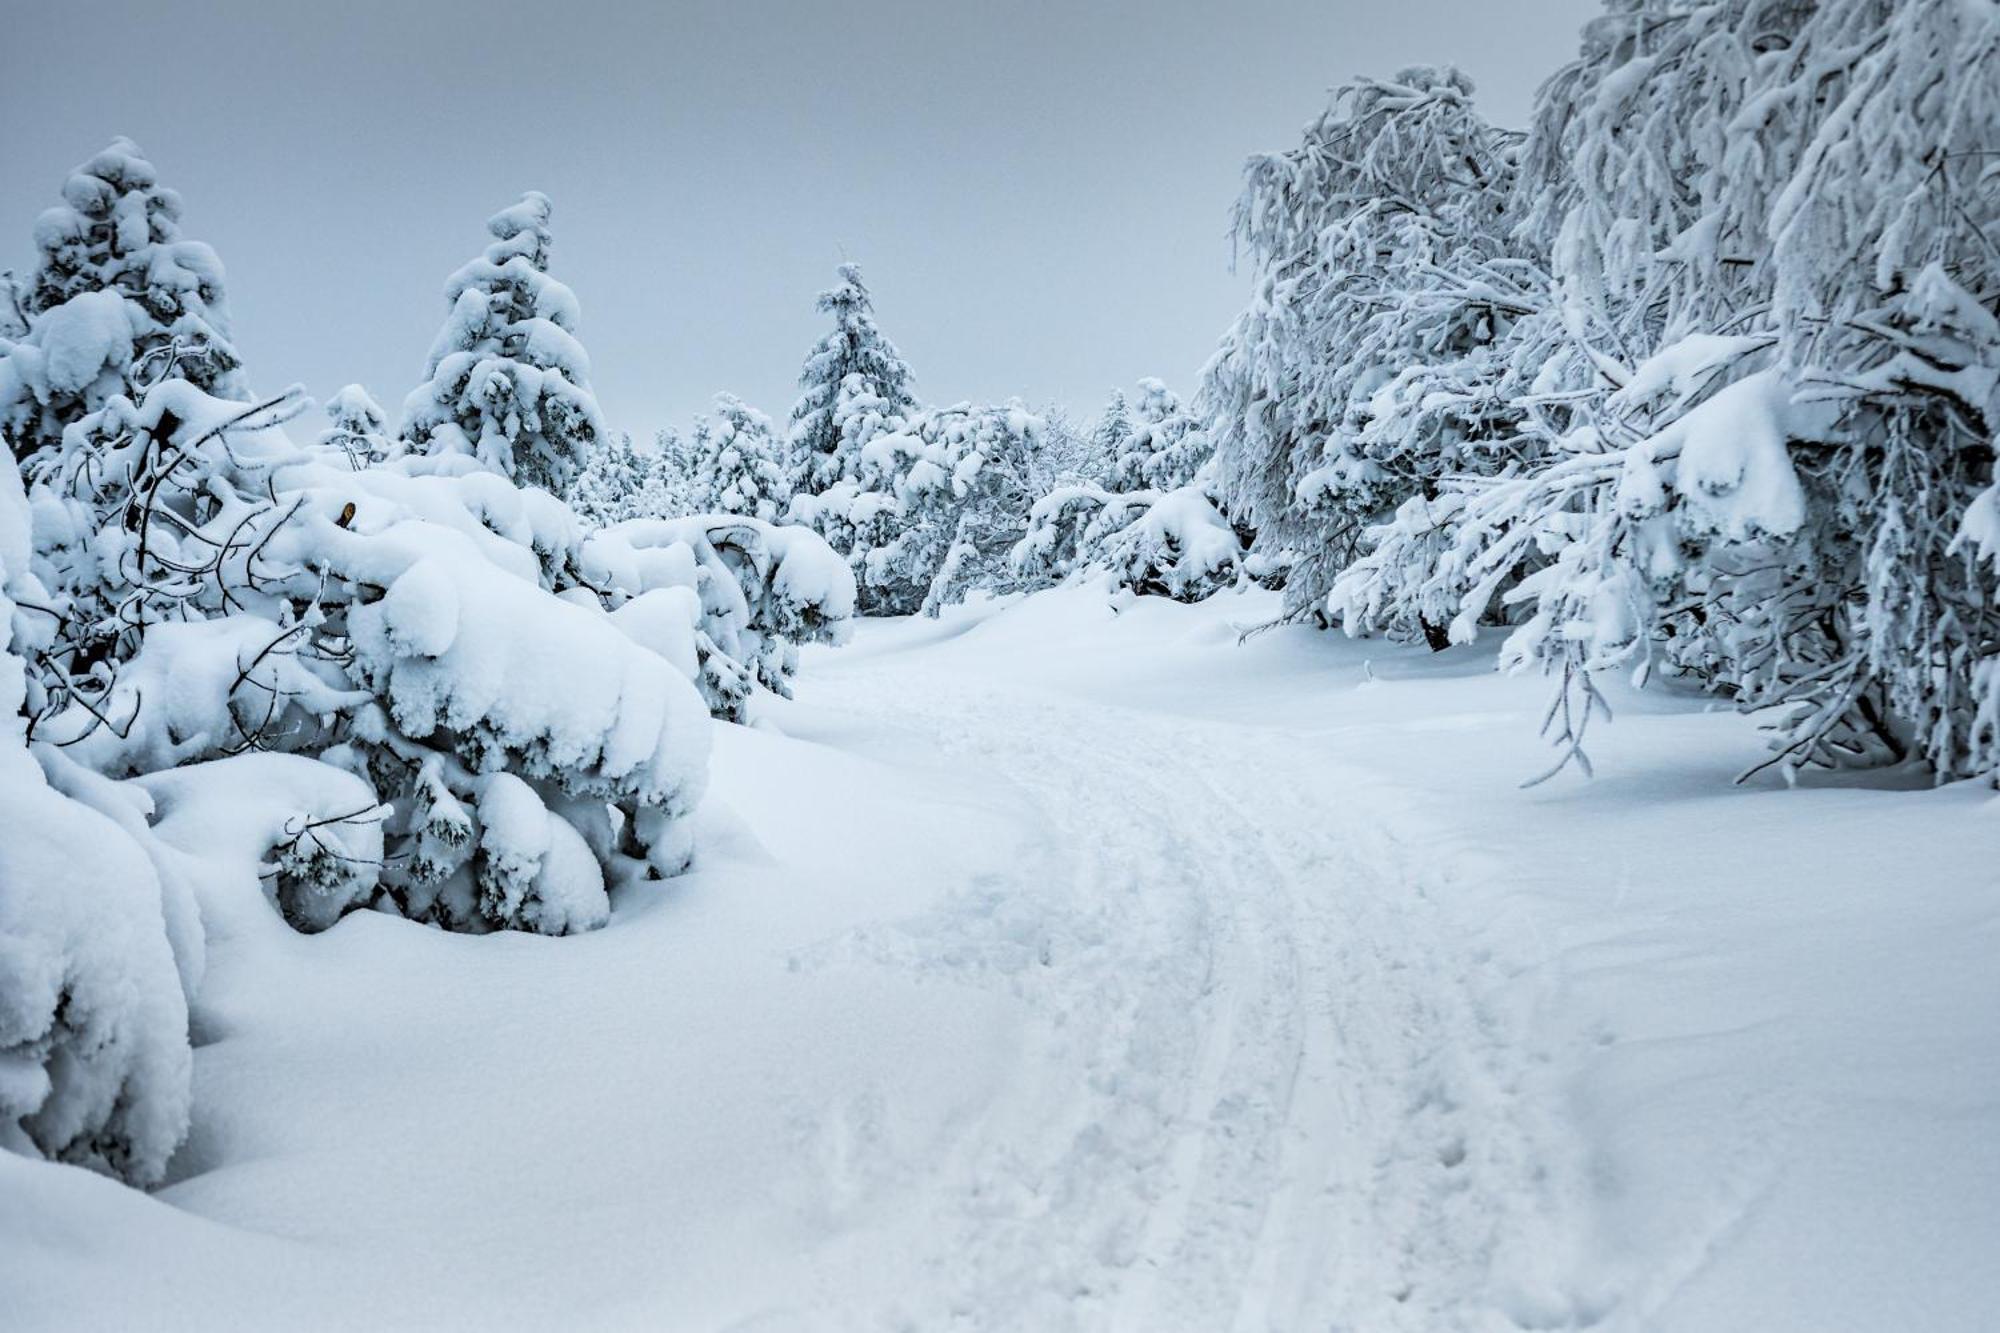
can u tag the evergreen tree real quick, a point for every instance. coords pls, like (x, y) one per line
(1164, 446)
(508, 384)
(116, 302)
(856, 386)
(1108, 437)
(13, 319)
(735, 467)
(668, 486)
(608, 485)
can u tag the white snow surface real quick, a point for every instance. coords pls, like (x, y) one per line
(1068, 964)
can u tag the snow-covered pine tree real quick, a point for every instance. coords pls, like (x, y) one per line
(507, 384)
(735, 467)
(1109, 435)
(117, 301)
(856, 385)
(667, 482)
(608, 486)
(1362, 370)
(1165, 446)
(358, 429)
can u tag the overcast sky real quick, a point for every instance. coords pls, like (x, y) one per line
(1038, 192)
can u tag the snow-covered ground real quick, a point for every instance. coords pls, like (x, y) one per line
(1052, 967)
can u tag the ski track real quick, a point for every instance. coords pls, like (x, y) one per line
(1264, 1092)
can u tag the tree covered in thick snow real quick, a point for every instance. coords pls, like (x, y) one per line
(931, 508)
(117, 301)
(1164, 445)
(735, 464)
(856, 386)
(1109, 434)
(507, 384)
(1747, 431)
(609, 482)
(1363, 368)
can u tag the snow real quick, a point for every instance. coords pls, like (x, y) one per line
(1159, 981)
(83, 338)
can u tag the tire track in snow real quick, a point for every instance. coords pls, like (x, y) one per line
(1268, 1096)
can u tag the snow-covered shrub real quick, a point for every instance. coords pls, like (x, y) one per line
(99, 950)
(508, 384)
(397, 622)
(856, 386)
(728, 599)
(1172, 544)
(735, 464)
(358, 429)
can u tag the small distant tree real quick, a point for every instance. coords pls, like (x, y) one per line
(1108, 437)
(508, 383)
(358, 429)
(1164, 445)
(856, 384)
(735, 468)
(609, 483)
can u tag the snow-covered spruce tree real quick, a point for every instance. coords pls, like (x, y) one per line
(508, 385)
(1165, 446)
(1109, 435)
(13, 317)
(358, 429)
(932, 507)
(667, 482)
(735, 465)
(116, 301)
(1773, 230)
(608, 484)
(856, 385)
(1363, 369)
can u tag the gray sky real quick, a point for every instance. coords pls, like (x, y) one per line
(1038, 192)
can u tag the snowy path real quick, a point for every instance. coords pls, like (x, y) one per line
(1264, 1096)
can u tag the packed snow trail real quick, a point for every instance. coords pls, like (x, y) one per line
(1265, 1095)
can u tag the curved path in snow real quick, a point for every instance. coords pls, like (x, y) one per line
(1263, 1091)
